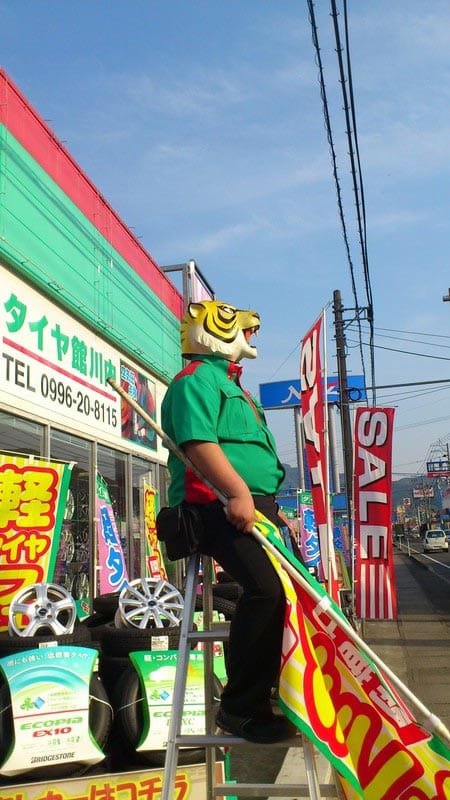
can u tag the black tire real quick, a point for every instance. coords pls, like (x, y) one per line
(220, 604)
(230, 590)
(94, 621)
(106, 604)
(128, 707)
(111, 668)
(100, 723)
(224, 577)
(16, 644)
(121, 641)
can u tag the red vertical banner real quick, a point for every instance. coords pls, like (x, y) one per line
(375, 592)
(312, 404)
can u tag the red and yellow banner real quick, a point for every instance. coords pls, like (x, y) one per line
(153, 556)
(335, 695)
(375, 591)
(32, 501)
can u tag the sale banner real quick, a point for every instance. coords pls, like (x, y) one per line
(32, 501)
(375, 590)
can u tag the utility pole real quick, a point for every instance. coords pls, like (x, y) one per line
(344, 405)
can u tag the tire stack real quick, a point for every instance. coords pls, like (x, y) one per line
(44, 598)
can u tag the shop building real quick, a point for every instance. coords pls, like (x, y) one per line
(80, 301)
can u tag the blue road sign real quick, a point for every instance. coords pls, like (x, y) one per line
(286, 394)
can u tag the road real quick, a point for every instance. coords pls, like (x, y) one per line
(436, 577)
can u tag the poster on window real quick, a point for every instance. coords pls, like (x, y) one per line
(374, 565)
(32, 500)
(112, 568)
(143, 391)
(155, 566)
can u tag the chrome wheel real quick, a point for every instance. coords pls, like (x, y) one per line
(42, 606)
(150, 602)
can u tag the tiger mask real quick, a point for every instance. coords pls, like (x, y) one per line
(211, 327)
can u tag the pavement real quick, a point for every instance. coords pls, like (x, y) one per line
(415, 646)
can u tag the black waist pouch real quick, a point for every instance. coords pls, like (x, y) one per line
(180, 529)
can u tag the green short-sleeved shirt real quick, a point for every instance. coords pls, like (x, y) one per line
(205, 402)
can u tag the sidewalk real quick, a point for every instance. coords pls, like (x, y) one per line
(416, 646)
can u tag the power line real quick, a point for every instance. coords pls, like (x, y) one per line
(405, 352)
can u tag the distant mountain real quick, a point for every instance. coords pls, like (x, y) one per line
(400, 489)
(291, 479)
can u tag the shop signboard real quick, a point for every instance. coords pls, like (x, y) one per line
(190, 784)
(53, 367)
(426, 491)
(438, 468)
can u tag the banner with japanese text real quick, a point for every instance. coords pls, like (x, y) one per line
(142, 784)
(32, 501)
(375, 590)
(153, 556)
(312, 406)
(334, 694)
(113, 575)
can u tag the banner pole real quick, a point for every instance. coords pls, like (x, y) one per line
(324, 604)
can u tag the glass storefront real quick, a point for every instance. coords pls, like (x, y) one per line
(124, 474)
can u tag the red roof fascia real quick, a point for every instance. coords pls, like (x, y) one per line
(20, 118)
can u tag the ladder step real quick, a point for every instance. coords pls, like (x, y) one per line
(219, 634)
(226, 740)
(271, 790)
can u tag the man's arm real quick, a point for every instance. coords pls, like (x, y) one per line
(212, 462)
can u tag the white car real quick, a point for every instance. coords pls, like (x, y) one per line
(435, 540)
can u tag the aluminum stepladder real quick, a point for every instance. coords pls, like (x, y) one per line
(213, 632)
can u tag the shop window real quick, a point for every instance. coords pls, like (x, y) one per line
(20, 436)
(74, 560)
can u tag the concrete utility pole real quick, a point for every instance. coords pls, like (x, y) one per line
(344, 405)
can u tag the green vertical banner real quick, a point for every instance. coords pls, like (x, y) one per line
(32, 501)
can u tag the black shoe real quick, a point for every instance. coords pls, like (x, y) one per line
(262, 731)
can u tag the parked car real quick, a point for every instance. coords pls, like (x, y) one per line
(435, 539)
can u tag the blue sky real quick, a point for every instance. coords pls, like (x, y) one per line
(201, 122)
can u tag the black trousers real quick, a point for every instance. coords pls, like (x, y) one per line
(256, 630)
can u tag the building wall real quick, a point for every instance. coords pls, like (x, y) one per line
(80, 301)
(58, 232)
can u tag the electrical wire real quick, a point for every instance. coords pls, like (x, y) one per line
(355, 172)
(329, 133)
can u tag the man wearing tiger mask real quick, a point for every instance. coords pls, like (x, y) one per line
(222, 430)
